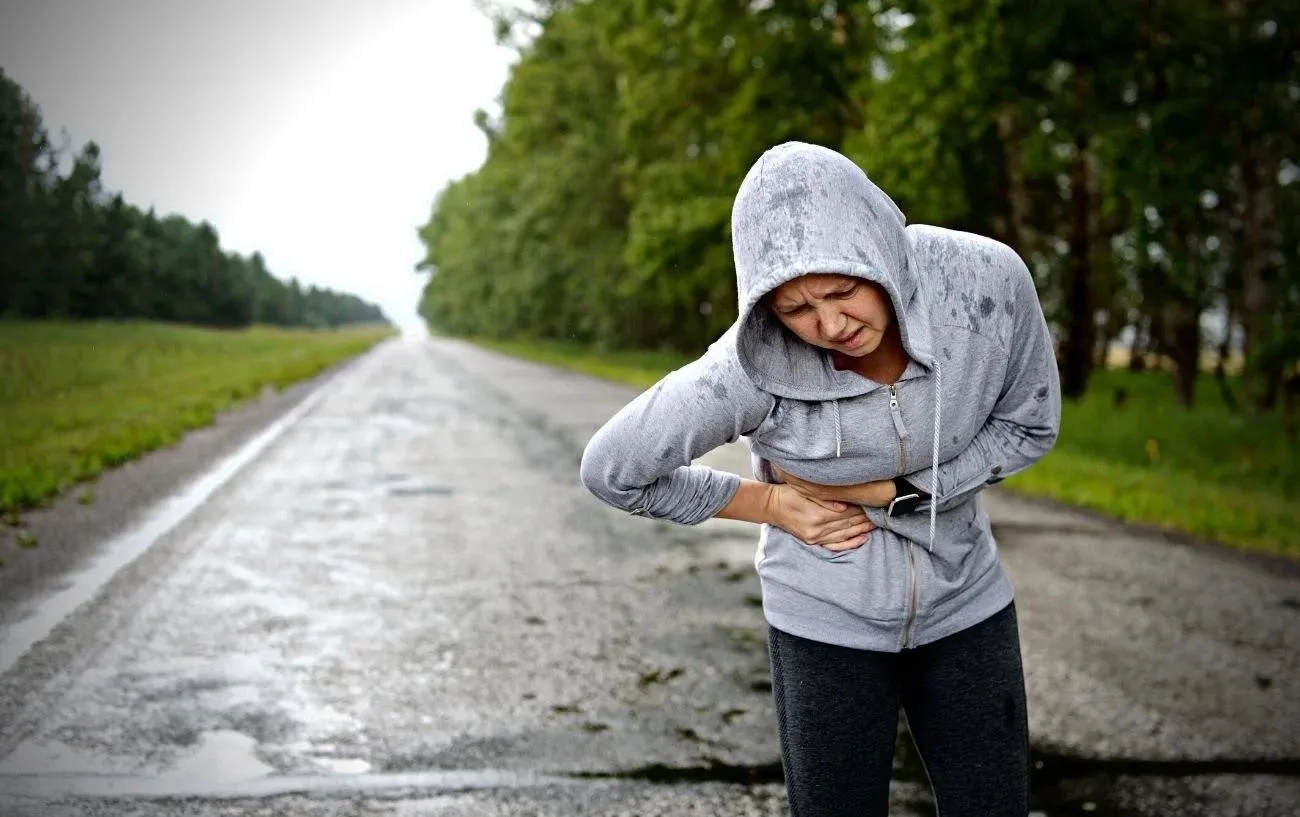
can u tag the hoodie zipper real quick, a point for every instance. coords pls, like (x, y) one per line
(897, 415)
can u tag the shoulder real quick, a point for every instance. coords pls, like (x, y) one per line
(717, 375)
(941, 249)
(973, 282)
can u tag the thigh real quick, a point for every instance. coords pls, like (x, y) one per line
(965, 702)
(837, 709)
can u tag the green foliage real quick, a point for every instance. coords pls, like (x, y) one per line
(1207, 471)
(1141, 157)
(69, 249)
(79, 398)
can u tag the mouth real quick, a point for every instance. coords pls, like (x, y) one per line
(853, 341)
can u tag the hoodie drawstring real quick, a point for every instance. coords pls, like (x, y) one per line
(934, 453)
(837, 429)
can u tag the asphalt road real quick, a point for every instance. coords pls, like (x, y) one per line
(396, 599)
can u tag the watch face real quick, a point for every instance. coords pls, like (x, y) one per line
(904, 504)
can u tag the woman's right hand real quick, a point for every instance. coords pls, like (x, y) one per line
(830, 524)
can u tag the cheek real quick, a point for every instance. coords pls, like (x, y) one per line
(873, 312)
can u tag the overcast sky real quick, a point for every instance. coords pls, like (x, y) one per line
(315, 131)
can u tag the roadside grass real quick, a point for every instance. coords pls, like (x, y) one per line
(79, 398)
(1230, 478)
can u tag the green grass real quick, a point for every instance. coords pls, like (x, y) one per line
(1231, 478)
(78, 398)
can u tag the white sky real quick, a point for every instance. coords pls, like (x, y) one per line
(315, 131)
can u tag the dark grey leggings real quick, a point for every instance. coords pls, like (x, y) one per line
(964, 696)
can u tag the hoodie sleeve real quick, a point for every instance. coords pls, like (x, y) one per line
(1026, 419)
(640, 460)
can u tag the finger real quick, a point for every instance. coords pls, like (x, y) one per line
(846, 532)
(848, 544)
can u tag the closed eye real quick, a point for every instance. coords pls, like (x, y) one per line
(844, 293)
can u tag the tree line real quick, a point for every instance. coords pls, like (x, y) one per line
(70, 249)
(1140, 155)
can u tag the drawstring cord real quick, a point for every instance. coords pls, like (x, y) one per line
(934, 455)
(837, 429)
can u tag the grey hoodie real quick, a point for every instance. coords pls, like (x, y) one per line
(980, 401)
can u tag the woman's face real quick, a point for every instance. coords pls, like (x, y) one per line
(837, 312)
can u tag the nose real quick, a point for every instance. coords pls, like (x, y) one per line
(832, 322)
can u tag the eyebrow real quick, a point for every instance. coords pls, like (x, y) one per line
(843, 286)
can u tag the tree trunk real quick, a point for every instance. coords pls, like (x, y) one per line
(1221, 365)
(1185, 331)
(1018, 230)
(1137, 350)
(1258, 247)
(1076, 348)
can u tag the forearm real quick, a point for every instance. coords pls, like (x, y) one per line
(753, 502)
(996, 453)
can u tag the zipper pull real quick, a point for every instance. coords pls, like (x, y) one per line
(896, 413)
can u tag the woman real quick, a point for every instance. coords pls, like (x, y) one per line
(881, 376)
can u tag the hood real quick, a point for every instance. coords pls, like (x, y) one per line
(801, 209)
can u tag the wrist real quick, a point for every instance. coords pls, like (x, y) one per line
(771, 514)
(875, 494)
(754, 501)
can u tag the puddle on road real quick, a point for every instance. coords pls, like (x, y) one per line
(342, 765)
(223, 758)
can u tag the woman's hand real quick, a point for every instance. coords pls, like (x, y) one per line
(872, 494)
(833, 525)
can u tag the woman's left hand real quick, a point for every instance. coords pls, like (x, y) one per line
(876, 494)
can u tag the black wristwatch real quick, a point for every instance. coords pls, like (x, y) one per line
(907, 498)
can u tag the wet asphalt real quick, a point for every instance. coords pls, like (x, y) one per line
(395, 598)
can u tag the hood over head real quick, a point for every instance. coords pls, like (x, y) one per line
(808, 209)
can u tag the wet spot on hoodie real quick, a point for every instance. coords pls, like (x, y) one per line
(666, 454)
(719, 391)
(1041, 394)
(987, 306)
(870, 205)
(947, 353)
(1010, 307)
(793, 199)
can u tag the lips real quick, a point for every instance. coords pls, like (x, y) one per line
(853, 340)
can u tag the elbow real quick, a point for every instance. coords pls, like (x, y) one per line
(599, 475)
(592, 471)
(1043, 441)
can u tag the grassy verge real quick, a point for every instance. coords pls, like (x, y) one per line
(78, 398)
(1231, 478)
